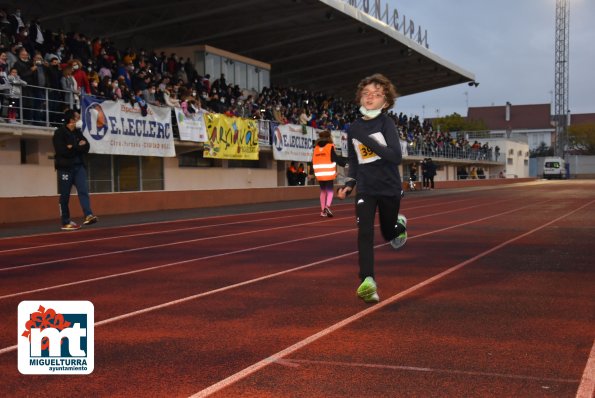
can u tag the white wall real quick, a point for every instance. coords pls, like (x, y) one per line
(190, 178)
(18, 180)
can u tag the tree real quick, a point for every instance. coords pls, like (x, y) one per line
(456, 122)
(581, 139)
(541, 151)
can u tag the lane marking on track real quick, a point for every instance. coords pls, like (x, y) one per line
(291, 362)
(338, 325)
(161, 232)
(587, 387)
(239, 284)
(234, 252)
(333, 328)
(62, 260)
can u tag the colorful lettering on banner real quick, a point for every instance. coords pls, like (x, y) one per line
(117, 128)
(231, 137)
(290, 143)
(192, 126)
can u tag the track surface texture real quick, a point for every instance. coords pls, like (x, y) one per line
(492, 296)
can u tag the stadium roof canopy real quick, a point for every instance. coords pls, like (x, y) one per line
(319, 45)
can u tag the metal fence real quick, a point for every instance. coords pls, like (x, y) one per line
(42, 106)
(36, 106)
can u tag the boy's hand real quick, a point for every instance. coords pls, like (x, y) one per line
(342, 193)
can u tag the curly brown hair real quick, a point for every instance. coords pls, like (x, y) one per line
(390, 92)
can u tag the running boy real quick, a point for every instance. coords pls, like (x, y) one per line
(374, 156)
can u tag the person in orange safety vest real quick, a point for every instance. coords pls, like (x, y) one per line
(324, 162)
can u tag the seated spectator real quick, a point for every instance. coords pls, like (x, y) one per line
(170, 97)
(149, 94)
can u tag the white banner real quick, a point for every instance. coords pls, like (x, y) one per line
(192, 127)
(343, 144)
(290, 143)
(117, 128)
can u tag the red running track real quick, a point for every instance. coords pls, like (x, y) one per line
(493, 296)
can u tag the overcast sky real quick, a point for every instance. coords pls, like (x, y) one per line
(509, 46)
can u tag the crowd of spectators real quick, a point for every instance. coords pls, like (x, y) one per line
(423, 140)
(33, 58)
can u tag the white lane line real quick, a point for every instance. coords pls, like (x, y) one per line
(161, 232)
(61, 260)
(181, 242)
(253, 248)
(587, 387)
(370, 310)
(204, 294)
(240, 251)
(208, 293)
(296, 362)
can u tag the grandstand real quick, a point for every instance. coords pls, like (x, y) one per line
(307, 45)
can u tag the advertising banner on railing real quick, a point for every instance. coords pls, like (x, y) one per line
(290, 143)
(264, 132)
(231, 137)
(343, 144)
(117, 128)
(192, 127)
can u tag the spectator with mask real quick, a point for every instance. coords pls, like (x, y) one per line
(12, 56)
(41, 80)
(14, 95)
(26, 71)
(80, 76)
(55, 97)
(71, 97)
(71, 148)
(149, 95)
(104, 90)
(374, 155)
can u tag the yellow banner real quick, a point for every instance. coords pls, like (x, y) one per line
(231, 137)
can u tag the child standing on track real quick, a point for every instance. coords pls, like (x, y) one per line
(324, 162)
(374, 155)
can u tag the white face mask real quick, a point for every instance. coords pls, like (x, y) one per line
(370, 113)
(79, 124)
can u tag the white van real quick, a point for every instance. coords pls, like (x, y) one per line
(554, 167)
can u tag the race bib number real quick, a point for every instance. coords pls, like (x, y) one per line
(364, 153)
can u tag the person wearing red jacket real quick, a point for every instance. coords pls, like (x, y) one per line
(80, 76)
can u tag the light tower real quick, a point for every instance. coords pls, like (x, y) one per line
(561, 75)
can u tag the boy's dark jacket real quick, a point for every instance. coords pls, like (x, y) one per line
(66, 157)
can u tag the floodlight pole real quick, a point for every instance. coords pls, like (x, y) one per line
(561, 75)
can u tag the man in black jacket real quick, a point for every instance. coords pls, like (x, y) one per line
(71, 148)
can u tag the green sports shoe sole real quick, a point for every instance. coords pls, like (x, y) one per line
(367, 291)
(400, 240)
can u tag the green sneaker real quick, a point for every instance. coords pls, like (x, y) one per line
(400, 240)
(367, 291)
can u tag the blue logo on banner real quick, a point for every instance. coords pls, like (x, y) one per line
(94, 118)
